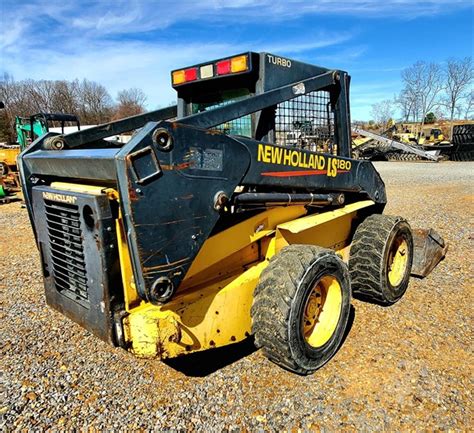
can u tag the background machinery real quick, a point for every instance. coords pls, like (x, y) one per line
(27, 129)
(410, 142)
(463, 142)
(244, 215)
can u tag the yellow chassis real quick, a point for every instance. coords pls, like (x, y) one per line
(212, 306)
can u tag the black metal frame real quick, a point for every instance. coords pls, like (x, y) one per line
(177, 179)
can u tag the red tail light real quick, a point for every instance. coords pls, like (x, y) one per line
(191, 74)
(223, 67)
(233, 65)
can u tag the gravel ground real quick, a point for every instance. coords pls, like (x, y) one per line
(407, 367)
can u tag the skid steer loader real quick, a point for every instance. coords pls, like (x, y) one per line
(237, 212)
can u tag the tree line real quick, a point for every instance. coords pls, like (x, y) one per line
(88, 100)
(440, 90)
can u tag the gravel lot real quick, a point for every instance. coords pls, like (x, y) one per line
(407, 367)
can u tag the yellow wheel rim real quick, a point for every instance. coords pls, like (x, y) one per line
(397, 262)
(322, 311)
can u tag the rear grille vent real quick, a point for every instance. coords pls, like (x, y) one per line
(67, 251)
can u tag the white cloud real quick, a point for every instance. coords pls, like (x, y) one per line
(346, 55)
(311, 42)
(139, 64)
(117, 66)
(10, 34)
(83, 44)
(135, 43)
(108, 17)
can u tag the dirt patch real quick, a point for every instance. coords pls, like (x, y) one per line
(407, 367)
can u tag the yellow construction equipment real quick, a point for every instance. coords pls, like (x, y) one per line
(239, 213)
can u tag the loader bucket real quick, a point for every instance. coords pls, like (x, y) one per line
(429, 249)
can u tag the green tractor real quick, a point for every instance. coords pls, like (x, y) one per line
(28, 129)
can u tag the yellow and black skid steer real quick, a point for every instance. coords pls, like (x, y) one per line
(238, 212)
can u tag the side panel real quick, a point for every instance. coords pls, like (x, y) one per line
(168, 198)
(277, 71)
(195, 321)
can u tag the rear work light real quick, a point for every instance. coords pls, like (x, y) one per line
(232, 65)
(206, 71)
(185, 75)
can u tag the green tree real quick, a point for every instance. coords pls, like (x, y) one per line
(430, 118)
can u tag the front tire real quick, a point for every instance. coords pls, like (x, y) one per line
(301, 307)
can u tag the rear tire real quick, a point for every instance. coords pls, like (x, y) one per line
(381, 258)
(301, 307)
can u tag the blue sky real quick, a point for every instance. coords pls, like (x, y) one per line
(136, 43)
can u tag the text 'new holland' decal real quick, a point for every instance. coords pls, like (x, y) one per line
(318, 164)
(70, 199)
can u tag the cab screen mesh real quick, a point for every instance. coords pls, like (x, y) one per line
(306, 122)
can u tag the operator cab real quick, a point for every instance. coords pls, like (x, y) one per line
(312, 121)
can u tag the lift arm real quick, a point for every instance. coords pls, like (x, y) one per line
(105, 130)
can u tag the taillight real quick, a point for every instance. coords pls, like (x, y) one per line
(179, 77)
(223, 67)
(238, 64)
(232, 65)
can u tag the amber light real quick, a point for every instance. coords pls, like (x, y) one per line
(239, 64)
(179, 77)
(232, 65)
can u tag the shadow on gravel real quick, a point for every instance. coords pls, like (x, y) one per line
(204, 363)
(350, 322)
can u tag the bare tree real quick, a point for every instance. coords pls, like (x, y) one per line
(95, 103)
(65, 98)
(423, 83)
(12, 97)
(383, 111)
(130, 103)
(87, 99)
(469, 106)
(405, 104)
(459, 77)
